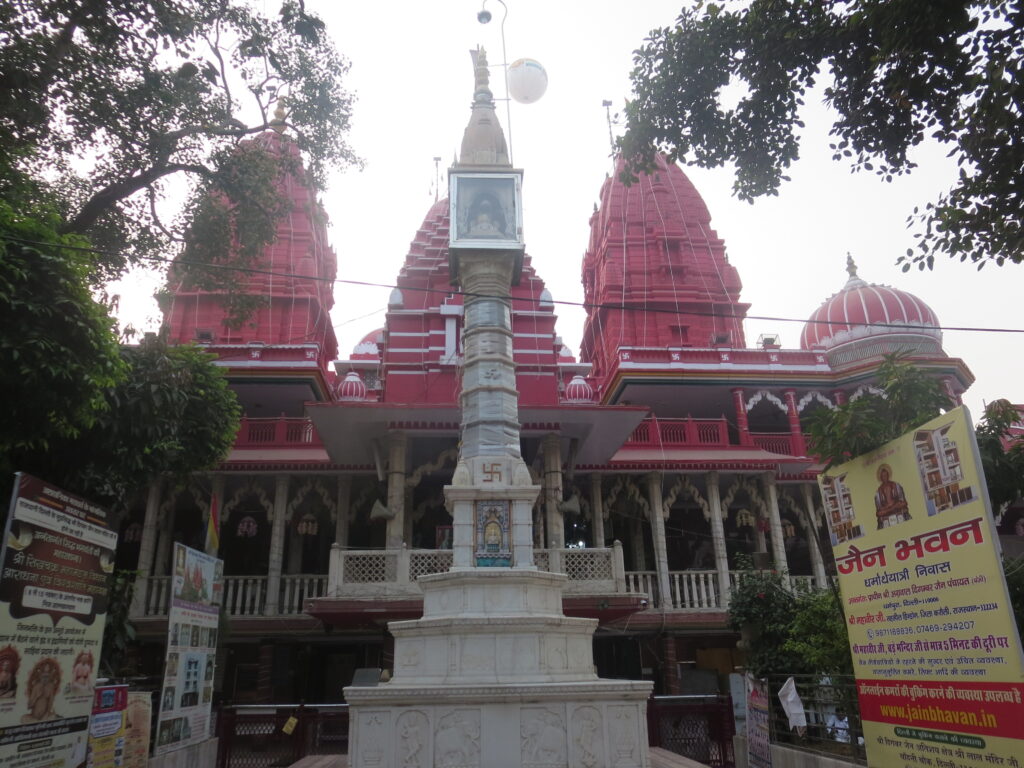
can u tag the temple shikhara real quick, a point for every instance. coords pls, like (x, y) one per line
(659, 456)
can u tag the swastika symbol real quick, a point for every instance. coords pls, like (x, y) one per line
(492, 472)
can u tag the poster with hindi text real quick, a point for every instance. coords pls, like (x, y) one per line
(138, 716)
(936, 654)
(57, 553)
(107, 738)
(192, 624)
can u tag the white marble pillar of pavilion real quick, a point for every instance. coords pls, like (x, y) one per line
(718, 537)
(657, 517)
(817, 565)
(775, 522)
(277, 530)
(596, 511)
(147, 548)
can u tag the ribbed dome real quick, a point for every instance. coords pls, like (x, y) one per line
(864, 310)
(352, 387)
(579, 391)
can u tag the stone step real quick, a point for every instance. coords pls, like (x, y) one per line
(662, 758)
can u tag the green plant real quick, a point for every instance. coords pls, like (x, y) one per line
(761, 609)
(118, 632)
(817, 634)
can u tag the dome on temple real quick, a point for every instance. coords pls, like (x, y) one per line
(352, 387)
(579, 391)
(369, 347)
(866, 319)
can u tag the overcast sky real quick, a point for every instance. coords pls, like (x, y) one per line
(411, 73)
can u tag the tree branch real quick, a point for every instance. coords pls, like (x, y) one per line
(113, 193)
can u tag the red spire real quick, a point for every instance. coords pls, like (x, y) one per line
(652, 249)
(296, 310)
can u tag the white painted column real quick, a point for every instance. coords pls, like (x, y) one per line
(775, 521)
(147, 548)
(657, 518)
(596, 511)
(817, 565)
(165, 542)
(718, 538)
(273, 604)
(344, 505)
(554, 524)
(217, 492)
(397, 446)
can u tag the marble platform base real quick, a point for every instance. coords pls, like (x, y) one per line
(590, 725)
(495, 675)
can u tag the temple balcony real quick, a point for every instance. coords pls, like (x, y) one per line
(660, 433)
(380, 577)
(281, 432)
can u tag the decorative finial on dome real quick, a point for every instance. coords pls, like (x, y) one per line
(277, 124)
(854, 280)
(481, 73)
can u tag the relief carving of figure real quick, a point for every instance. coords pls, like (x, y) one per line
(411, 734)
(587, 737)
(457, 741)
(543, 738)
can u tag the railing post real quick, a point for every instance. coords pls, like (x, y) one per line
(618, 566)
(555, 560)
(404, 561)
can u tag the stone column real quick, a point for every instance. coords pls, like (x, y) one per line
(718, 538)
(216, 493)
(554, 524)
(264, 677)
(397, 446)
(817, 564)
(670, 665)
(795, 431)
(596, 511)
(775, 520)
(165, 543)
(147, 549)
(742, 425)
(344, 505)
(657, 516)
(273, 603)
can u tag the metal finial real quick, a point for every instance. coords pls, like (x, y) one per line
(851, 267)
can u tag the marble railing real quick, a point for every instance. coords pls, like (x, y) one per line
(243, 595)
(393, 572)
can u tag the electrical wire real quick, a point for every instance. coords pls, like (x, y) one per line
(624, 307)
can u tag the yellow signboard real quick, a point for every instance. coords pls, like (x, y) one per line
(936, 654)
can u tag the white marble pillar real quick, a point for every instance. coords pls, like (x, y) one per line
(165, 542)
(554, 524)
(273, 604)
(718, 538)
(344, 505)
(397, 447)
(147, 548)
(814, 541)
(596, 511)
(657, 516)
(775, 521)
(217, 492)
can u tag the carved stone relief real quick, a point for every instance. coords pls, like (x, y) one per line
(542, 735)
(457, 740)
(413, 730)
(374, 738)
(623, 741)
(588, 738)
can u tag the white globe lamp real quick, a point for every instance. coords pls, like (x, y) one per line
(527, 80)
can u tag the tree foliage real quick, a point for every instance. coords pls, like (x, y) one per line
(1003, 461)
(896, 72)
(172, 414)
(109, 104)
(907, 397)
(58, 352)
(818, 635)
(761, 608)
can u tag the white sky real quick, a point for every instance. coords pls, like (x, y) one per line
(412, 76)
